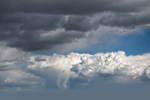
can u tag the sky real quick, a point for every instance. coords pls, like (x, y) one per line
(74, 49)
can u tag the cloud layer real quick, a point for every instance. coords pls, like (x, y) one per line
(66, 25)
(27, 71)
(24, 22)
(71, 6)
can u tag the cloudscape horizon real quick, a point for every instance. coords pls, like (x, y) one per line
(69, 47)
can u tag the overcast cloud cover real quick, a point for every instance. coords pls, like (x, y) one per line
(28, 26)
(24, 22)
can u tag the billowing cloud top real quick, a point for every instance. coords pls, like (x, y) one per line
(27, 71)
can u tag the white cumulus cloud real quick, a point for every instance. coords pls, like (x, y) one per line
(21, 70)
(82, 68)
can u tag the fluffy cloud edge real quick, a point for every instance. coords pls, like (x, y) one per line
(70, 71)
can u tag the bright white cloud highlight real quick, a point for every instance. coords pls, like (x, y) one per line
(86, 66)
(66, 71)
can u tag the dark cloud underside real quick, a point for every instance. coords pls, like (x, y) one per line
(24, 22)
(71, 6)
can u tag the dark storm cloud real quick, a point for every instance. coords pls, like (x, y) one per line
(80, 23)
(32, 21)
(24, 30)
(22, 22)
(71, 6)
(126, 19)
(32, 40)
(45, 22)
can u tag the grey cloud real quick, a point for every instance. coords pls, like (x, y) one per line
(33, 41)
(71, 6)
(32, 21)
(80, 23)
(13, 71)
(10, 54)
(39, 59)
(22, 22)
(23, 31)
(126, 19)
(18, 78)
